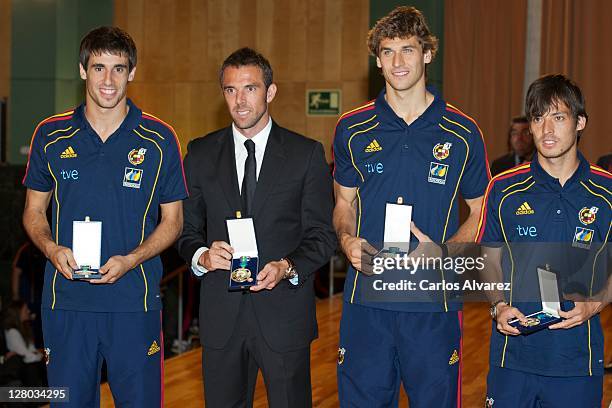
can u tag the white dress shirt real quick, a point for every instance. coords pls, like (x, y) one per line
(240, 154)
(17, 344)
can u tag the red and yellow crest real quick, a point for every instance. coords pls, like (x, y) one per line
(441, 151)
(137, 156)
(587, 215)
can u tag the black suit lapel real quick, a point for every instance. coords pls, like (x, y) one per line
(271, 168)
(228, 178)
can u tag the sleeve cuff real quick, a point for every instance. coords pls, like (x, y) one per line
(471, 195)
(173, 198)
(196, 268)
(38, 187)
(345, 181)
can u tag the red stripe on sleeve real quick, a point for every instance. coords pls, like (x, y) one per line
(601, 173)
(486, 198)
(49, 120)
(348, 115)
(458, 112)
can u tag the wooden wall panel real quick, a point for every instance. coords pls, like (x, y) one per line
(574, 35)
(5, 48)
(484, 59)
(354, 13)
(155, 98)
(181, 45)
(197, 105)
(288, 108)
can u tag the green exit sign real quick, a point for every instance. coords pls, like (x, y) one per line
(323, 102)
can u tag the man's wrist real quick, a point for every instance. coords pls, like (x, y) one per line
(494, 308)
(197, 268)
(200, 261)
(343, 236)
(290, 271)
(133, 260)
(599, 306)
(48, 248)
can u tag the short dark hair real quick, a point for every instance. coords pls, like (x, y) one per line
(402, 22)
(548, 91)
(515, 121)
(112, 40)
(518, 119)
(248, 56)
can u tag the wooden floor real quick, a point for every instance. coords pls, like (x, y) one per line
(183, 381)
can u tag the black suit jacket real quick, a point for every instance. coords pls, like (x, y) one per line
(503, 163)
(292, 212)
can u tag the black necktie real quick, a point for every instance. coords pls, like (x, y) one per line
(249, 182)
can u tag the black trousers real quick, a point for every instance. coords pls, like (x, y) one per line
(230, 373)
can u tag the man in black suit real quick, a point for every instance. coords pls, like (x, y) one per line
(520, 144)
(605, 162)
(282, 180)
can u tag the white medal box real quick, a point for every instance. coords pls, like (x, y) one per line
(551, 304)
(87, 248)
(245, 260)
(398, 217)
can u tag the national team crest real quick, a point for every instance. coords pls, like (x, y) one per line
(489, 402)
(587, 215)
(47, 355)
(137, 156)
(583, 237)
(341, 352)
(441, 151)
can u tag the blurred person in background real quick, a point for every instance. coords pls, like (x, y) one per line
(27, 279)
(605, 162)
(11, 365)
(16, 323)
(520, 144)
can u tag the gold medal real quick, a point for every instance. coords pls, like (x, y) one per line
(531, 321)
(241, 275)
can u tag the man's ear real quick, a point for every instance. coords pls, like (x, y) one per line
(132, 73)
(581, 123)
(82, 72)
(271, 93)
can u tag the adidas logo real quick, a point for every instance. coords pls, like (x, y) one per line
(69, 153)
(454, 358)
(153, 349)
(524, 209)
(373, 147)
